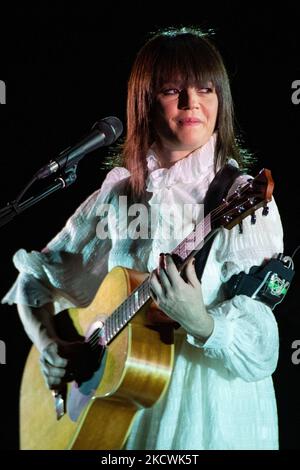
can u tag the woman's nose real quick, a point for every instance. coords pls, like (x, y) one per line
(188, 99)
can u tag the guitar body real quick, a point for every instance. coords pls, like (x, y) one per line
(135, 372)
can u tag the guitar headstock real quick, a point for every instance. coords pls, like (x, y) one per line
(244, 201)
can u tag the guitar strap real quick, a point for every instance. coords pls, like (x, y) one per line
(218, 189)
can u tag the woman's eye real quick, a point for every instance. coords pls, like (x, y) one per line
(171, 91)
(205, 90)
(178, 91)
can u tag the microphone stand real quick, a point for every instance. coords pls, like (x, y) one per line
(7, 213)
(14, 208)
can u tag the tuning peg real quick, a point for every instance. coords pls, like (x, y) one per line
(253, 219)
(237, 192)
(265, 210)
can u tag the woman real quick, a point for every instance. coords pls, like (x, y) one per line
(179, 134)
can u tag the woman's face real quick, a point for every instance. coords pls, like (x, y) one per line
(184, 116)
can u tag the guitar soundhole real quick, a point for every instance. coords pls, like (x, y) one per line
(86, 362)
(87, 358)
(65, 328)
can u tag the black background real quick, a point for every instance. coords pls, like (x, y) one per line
(66, 67)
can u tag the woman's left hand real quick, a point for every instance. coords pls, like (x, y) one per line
(181, 299)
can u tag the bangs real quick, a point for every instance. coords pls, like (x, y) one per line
(186, 61)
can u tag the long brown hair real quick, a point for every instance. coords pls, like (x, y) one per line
(186, 53)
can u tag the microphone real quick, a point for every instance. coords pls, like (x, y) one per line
(104, 132)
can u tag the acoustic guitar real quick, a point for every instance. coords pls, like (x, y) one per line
(130, 357)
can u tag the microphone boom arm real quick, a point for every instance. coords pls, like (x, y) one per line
(14, 208)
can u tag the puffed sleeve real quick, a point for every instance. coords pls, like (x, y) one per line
(245, 334)
(69, 270)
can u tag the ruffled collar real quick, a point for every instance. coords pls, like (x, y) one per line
(188, 169)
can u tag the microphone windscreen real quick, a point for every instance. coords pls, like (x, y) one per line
(111, 126)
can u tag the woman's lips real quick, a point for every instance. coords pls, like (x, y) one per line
(189, 121)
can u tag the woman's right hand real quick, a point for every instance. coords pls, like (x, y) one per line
(65, 361)
(53, 365)
(60, 360)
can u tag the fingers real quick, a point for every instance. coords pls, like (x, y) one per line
(53, 366)
(155, 286)
(171, 270)
(51, 355)
(53, 376)
(165, 278)
(160, 279)
(190, 273)
(48, 369)
(168, 272)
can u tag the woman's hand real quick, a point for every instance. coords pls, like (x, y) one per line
(53, 366)
(63, 361)
(181, 299)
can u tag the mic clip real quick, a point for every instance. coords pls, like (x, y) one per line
(68, 176)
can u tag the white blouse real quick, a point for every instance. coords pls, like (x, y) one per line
(221, 394)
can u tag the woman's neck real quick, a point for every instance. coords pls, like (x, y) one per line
(168, 157)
